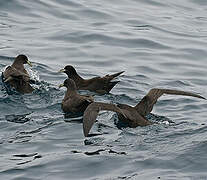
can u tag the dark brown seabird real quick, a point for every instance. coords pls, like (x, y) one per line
(134, 116)
(100, 85)
(17, 76)
(76, 103)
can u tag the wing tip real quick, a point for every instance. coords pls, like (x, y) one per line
(85, 129)
(202, 97)
(85, 132)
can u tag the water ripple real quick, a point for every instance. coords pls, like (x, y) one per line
(157, 43)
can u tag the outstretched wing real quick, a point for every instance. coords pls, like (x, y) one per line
(145, 106)
(92, 111)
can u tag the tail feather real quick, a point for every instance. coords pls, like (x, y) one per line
(112, 76)
(111, 85)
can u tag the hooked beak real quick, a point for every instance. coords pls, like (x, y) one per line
(61, 85)
(61, 71)
(28, 62)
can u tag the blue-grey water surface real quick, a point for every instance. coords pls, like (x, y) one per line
(157, 43)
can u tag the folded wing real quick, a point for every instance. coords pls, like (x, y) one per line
(12, 73)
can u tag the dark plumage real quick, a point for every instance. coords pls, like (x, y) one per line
(100, 85)
(133, 116)
(74, 102)
(16, 75)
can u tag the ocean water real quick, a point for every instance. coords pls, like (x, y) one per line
(157, 43)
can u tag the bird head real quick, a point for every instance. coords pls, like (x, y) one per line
(69, 70)
(69, 84)
(22, 59)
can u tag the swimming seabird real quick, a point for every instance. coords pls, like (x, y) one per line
(16, 75)
(73, 102)
(100, 85)
(133, 116)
